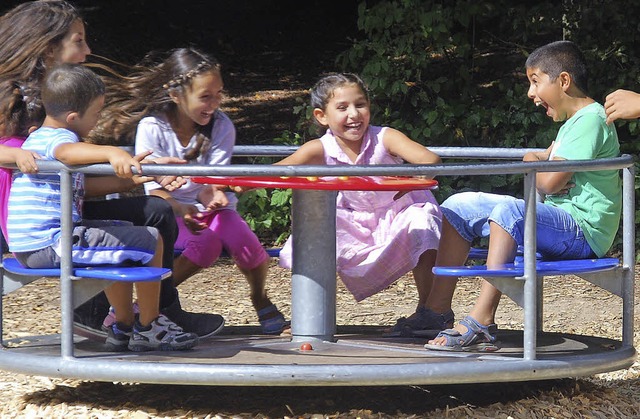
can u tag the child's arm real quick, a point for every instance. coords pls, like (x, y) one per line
(549, 183)
(212, 198)
(538, 155)
(410, 151)
(310, 152)
(103, 185)
(178, 208)
(189, 213)
(86, 153)
(399, 145)
(169, 182)
(24, 159)
(622, 104)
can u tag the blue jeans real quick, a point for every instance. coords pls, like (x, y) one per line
(558, 234)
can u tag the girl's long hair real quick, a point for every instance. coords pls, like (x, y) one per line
(145, 91)
(27, 33)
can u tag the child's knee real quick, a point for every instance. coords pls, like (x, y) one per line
(508, 213)
(459, 203)
(251, 257)
(202, 249)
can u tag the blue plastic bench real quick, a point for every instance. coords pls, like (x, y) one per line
(543, 268)
(89, 280)
(508, 278)
(107, 272)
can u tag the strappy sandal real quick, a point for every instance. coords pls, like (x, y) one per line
(423, 323)
(477, 338)
(272, 320)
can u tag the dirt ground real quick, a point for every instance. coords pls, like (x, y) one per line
(569, 304)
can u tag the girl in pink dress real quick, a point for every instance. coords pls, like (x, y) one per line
(380, 235)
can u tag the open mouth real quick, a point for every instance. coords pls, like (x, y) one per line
(206, 116)
(541, 103)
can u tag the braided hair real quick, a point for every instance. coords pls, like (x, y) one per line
(146, 91)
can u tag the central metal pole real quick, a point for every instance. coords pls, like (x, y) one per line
(313, 280)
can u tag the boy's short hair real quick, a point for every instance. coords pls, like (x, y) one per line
(70, 88)
(559, 56)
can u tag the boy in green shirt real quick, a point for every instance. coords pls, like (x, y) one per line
(577, 220)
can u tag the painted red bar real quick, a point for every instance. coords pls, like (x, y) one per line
(332, 183)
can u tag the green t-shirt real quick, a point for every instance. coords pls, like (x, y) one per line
(596, 200)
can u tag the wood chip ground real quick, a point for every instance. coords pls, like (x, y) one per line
(222, 289)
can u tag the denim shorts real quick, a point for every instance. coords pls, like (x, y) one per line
(558, 234)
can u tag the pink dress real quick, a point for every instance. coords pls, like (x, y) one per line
(377, 239)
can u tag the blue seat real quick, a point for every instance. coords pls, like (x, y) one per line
(274, 252)
(112, 273)
(543, 268)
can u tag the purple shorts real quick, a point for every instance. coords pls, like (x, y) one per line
(226, 230)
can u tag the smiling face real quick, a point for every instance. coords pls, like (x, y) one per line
(201, 98)
(547, 93)
(73, 48)
(347, 114)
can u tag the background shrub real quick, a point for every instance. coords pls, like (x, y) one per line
(452, 73)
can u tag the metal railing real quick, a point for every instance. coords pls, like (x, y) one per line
(529, 367)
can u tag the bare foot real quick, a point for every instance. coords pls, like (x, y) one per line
(442, 340)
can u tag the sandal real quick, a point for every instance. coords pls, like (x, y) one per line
(423, 323)
(272, 320)
(477, 338)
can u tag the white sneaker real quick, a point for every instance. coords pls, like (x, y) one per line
(161, 335)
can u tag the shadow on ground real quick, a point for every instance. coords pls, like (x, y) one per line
(303, 401)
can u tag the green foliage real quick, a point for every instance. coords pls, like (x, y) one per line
(268, 211)
(452, 73)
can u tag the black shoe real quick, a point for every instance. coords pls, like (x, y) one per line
(4, 248)
(118, 337)
(202, 324)
(88, 318)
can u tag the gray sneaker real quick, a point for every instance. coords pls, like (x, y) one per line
(161, 335)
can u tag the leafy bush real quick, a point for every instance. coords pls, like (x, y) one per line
(268, 211)
(452, 73)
